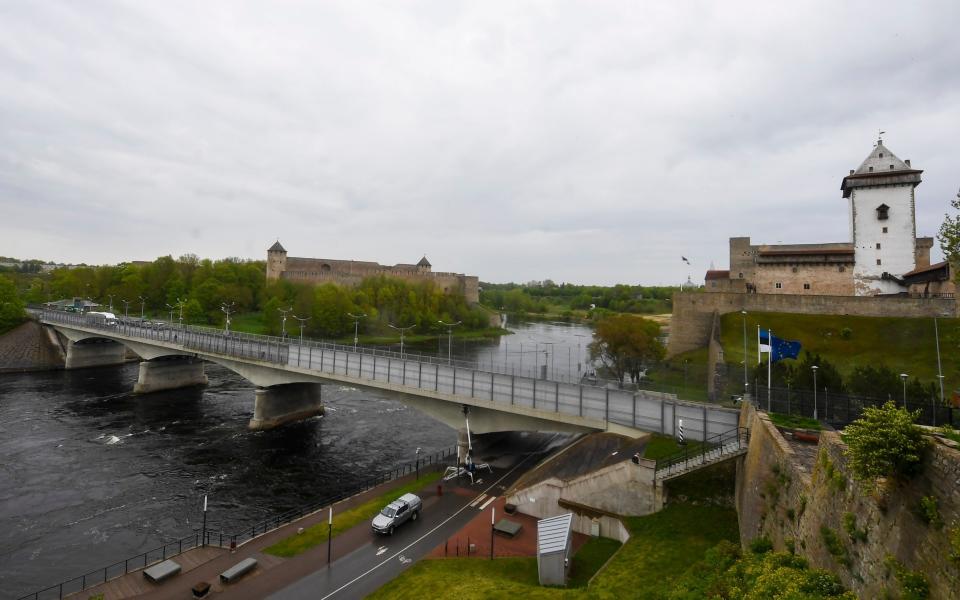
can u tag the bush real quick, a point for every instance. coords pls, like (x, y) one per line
(850, 526)
(761, 545)
(954, 537)
(846, 333)
(885, 443)
(929, 513)
(834, 545)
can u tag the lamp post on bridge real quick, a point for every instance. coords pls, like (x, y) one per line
(402, 330)
(303, 323)
(172, 308)
(110, 296)
(180, 304)
(903, 377)
(283, 321)
(126, 308)
(227, 310)
(356, 330)
(450, 327)
(143, 303)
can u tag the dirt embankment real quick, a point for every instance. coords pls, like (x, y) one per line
(30, 347)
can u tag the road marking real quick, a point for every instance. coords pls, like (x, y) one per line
(478, 500)
(404, 560)
(381, 550)
(487, 503)
(424, 536)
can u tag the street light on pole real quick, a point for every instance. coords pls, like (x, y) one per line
(126, 308)
(172, 308)
(283, 321)
(356, 329)
(303, 323)
(143, 303)
(450, 327)
(936, 333)
(418, 463)
(111, 301)
(815, 367)
(227, 310)
(402, 330)
(329, 534)
(903, 377)
(180, 304)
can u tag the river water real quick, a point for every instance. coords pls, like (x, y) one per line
(91, 474)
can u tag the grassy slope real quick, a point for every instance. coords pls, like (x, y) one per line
(317, 534)
(904, 345)
(662, 548)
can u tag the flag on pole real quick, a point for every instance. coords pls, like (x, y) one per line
(781, 349)
(684, 259)
(763, 343)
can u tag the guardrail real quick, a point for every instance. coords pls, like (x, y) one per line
(714, 446)
(209, 535)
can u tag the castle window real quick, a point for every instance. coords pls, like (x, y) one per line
(878, 245)
(806, 286)
(891, 167)
(870, 169)
(882, 212)
(325, 267)
(881, 155)
(884, 229)
(778, 285)
(741, 275)
(841, 269)
(793, 270)
(878, 261)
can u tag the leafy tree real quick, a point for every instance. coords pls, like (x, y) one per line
(885, 442)
(11, 306)
(625, 344)
(949, 234)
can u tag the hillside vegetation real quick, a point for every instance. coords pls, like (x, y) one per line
(905, 345)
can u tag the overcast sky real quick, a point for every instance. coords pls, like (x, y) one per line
(588, 142)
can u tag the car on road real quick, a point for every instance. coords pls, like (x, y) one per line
(405, 508)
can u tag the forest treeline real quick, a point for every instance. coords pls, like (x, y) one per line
(539, 297)
(204, 287)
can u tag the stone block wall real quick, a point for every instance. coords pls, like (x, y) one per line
(693, 311)
(837, 523)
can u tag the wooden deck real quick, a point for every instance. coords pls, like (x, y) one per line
(135, 584)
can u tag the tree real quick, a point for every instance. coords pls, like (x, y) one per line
(949, 234)
(625, 344)
(884, 442)
(11, 306)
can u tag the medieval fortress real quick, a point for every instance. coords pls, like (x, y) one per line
(883, 271)
(883, 257)
(352, 272)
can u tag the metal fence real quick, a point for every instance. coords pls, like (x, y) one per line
(218, 537)
(713, 447)
(641, 409)
(841, 409)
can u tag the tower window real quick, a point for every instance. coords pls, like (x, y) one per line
(806, 286)
(878, 261)
(841, 269)
(878, 245)
(741, 275)
(891, 167)
(870, 169)
(883, 212)
(793, 270)
(778, 285)
(884, 229)
(881, 155)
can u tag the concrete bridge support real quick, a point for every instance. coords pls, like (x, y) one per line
(169, 373)
(281, 404)
(94, 353)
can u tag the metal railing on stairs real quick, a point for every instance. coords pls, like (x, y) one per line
(713, 448)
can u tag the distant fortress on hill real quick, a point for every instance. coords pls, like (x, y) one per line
(352, 272)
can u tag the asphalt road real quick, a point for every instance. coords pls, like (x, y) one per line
(366, 569)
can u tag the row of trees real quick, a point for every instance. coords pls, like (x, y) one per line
(11, 306)
(203, 287)
(537, 297)
(869, 381)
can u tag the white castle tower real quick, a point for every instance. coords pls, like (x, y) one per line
(882, 221)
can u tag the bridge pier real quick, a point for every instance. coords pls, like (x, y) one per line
(281, 404)
(169, 373)
(94, 353)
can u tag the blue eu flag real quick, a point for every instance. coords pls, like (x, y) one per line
(781, 349)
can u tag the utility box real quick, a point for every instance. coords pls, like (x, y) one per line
(554, 541)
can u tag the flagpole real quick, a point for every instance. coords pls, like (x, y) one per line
(758, 344)
(769, 362)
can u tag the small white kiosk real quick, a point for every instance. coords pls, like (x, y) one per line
(554, 538)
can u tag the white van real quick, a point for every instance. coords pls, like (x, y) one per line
(107, 318)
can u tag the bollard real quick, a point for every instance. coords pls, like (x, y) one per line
(680, 432)
(439, 489)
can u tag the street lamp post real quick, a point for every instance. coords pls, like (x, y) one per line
(402, 330)
(356, 328)
(143, 303)
(180, 304)
(450, 327)
(936, 333)
(815, 367)
(283, 321)
(126, 309)
(746, 384)
(903, 377)
(418, 463)
(111, 301)
(172, 308)
(227, 310)
(329, 535)
(303, 323)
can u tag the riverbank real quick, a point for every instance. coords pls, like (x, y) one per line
(30, 347)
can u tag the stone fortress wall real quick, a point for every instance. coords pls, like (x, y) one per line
(351, 273)
(693, 311)
(798, 495)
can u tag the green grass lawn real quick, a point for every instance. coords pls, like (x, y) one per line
(662, 547)
(313, 536)
(904, 345)
(661, 446)
(589, 558)
(794, 421)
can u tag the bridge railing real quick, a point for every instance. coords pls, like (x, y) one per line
(650, 411)
(713, 446)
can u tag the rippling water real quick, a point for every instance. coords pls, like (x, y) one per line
(90, 474)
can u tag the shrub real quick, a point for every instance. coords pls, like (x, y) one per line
(761, 545)
(954, 536)
(929, 513)
(850, 526)
(846, 333)
(884, 443)
(835, 545)
(913, 584)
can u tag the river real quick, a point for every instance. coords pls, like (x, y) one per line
(91, 474)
